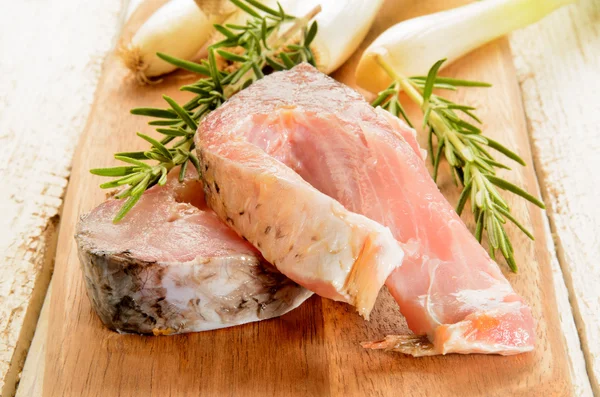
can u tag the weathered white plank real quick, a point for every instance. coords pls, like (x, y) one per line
(51, 58)
(558, 62)
(32, 377)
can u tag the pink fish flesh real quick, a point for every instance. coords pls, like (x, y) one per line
(447, 287)
(171, 266)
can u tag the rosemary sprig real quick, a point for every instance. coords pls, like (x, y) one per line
(466, 150)
(252, 50)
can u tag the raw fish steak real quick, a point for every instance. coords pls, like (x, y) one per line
(307, 235)
(171, 266)
(447, 287)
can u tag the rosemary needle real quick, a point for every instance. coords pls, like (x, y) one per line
(252, 50)
(465, 149)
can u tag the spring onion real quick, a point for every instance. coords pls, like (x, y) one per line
(343, 24)
(180, 28)
(412, 46)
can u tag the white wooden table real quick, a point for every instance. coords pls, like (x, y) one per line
(51, 55)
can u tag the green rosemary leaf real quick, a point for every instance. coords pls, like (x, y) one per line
(511, 218)
(196, 163)
(440, 86)
(163, 122)
(133, 155)
(264, 34)
(281, 12)
(499, 230)
(450, 153)
(159, 146)
(464, 195)
(430, 145)
(505, 151)
(190, 105)
(427, 113)
(157, 156)
(476, 138)
(461, 83)
(153, 112)
(471, 115)
(454, 82)
(194, 89)
(312, 33)
(468, 126)
(274, 64)
(241, 73)
(455, 176)
(459, 107)
(183, 64)
(131, 201)
(483, 165)
(172, 132)
(231, 56)
(479, 227)
(503, 184)
(436, 160)
(182, 171)
(228, 43)
(511, 262)
(139, 188)
(497, 164)
(507, 250)
(248, 10)
(494, 193)
(235, 27)
(442, 108)
(431, 78)
(403, 113)
(475, 198)
(132, 161)
(262, 7)
(286, 60)
(256, 43)
(247, 83)
(392, 107)
(436, 86)
(257, 71)
(113, 171)
(129, 179)
(214, 72)
(163, 176)
(493, 237)
(182, 113)
(382, 96)
(225, 32)
(166, 140)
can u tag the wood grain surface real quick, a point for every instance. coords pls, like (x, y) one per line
(314, 350)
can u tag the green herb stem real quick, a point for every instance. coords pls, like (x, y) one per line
(462, 145)
(260, 45)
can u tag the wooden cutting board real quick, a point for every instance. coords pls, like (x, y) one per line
(315, 349)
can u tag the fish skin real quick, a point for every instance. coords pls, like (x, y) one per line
(171, 266)
(448, 288)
